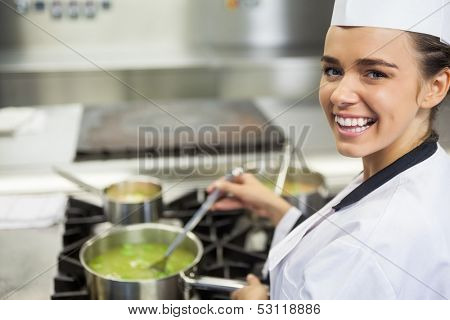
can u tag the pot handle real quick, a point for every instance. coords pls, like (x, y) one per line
(212, 283)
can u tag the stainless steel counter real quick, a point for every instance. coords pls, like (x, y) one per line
(28, 262)
(164, 77)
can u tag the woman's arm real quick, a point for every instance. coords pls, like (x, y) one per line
(248, 192)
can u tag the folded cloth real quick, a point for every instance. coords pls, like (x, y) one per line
(31, 211)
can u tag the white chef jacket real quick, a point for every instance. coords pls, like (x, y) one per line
(393, 243)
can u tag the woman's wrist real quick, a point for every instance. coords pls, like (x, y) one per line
(278, 209)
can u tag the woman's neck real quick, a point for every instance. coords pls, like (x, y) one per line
(384, 157)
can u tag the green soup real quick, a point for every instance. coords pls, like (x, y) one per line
(133, 261)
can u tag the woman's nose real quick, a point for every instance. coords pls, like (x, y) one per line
(344, 94)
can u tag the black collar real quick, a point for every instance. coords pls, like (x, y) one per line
(415, 156)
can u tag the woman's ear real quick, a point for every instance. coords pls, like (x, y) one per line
(438, 87)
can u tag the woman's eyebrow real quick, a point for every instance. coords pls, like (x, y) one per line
(374, 62)
(361, 62)
(330, 60)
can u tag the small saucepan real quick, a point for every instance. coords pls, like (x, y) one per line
(135, 200)
(303, 188)
(174, 286)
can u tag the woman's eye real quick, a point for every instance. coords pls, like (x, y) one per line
(331, 72)
(376, 75)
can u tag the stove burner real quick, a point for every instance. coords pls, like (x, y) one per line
(224, 236)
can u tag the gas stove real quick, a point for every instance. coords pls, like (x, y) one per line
(235, 243)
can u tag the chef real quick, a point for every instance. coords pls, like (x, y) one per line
(385, 72)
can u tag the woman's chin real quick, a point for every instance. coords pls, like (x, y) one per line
(351, 151)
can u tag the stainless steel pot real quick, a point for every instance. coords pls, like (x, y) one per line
(171, 287)
(120, 210)
(311, 200)
(304, 189)
(119, 204)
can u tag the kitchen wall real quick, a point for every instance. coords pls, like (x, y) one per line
(174, 23)
(163, 49)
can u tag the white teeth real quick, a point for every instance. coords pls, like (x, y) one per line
(361, 122)
(355, 129)
(354, 125)
(352, 122)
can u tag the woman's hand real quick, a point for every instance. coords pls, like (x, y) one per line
(254, 290)
(248, 192)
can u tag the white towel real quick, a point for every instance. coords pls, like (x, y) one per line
(31, 211)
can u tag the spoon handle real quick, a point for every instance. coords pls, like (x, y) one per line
(87, 187)
(197, 217)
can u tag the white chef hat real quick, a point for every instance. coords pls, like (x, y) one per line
(423, 16)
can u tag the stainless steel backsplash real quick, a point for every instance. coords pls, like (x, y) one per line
(163, 48)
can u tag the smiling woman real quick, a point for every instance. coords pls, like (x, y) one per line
(387, 234)
(376, 95)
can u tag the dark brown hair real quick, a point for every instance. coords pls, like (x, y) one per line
(434, 57)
